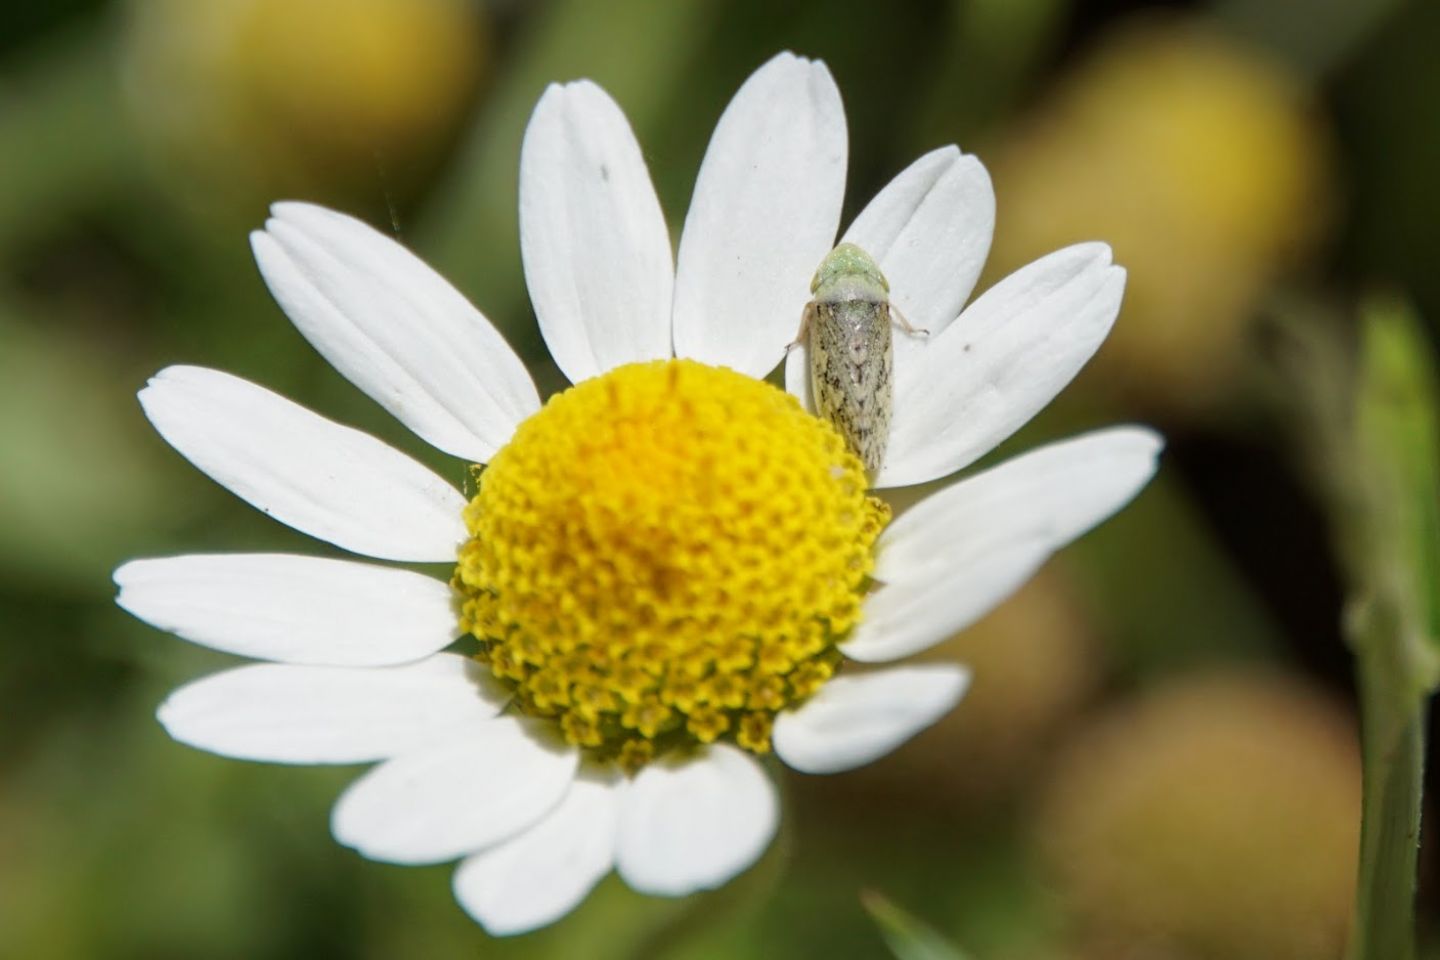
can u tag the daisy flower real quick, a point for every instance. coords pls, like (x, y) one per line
(667, 571)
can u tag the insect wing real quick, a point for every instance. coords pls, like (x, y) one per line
(851, 362)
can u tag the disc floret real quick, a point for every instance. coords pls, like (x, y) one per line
(665, 556)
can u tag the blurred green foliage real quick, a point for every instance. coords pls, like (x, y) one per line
(907, 937)
(117, 259)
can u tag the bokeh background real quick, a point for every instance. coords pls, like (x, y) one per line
(1158, 760)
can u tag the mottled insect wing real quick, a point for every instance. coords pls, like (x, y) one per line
(850, 372)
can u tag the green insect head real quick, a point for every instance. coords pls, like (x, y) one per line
(849, 267)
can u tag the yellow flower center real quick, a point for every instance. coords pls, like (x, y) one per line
(666, 555)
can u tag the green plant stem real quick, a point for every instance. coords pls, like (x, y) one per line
(1390, 532)
(1393, 740)
(1375, 448)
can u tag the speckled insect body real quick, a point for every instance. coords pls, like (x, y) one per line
(851, 356)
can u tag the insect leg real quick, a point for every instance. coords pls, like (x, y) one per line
(805, 316)
(905, 324)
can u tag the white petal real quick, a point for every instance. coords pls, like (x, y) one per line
(857, 718)
(292, 609)
(593, 238)
(905, 618)
(330, 481)
(954, 556)
(483, 783)
(765, 212)
(691, 823)
(961, 392)
(541, 874)
(395, 328)
(930, 231)
(288, 714)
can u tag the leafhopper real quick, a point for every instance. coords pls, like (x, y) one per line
(847, 323)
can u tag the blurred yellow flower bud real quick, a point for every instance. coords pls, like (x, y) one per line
(1214, 818)
(1201, 163)
(247, 101)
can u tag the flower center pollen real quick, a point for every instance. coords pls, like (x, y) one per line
(667, 555)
